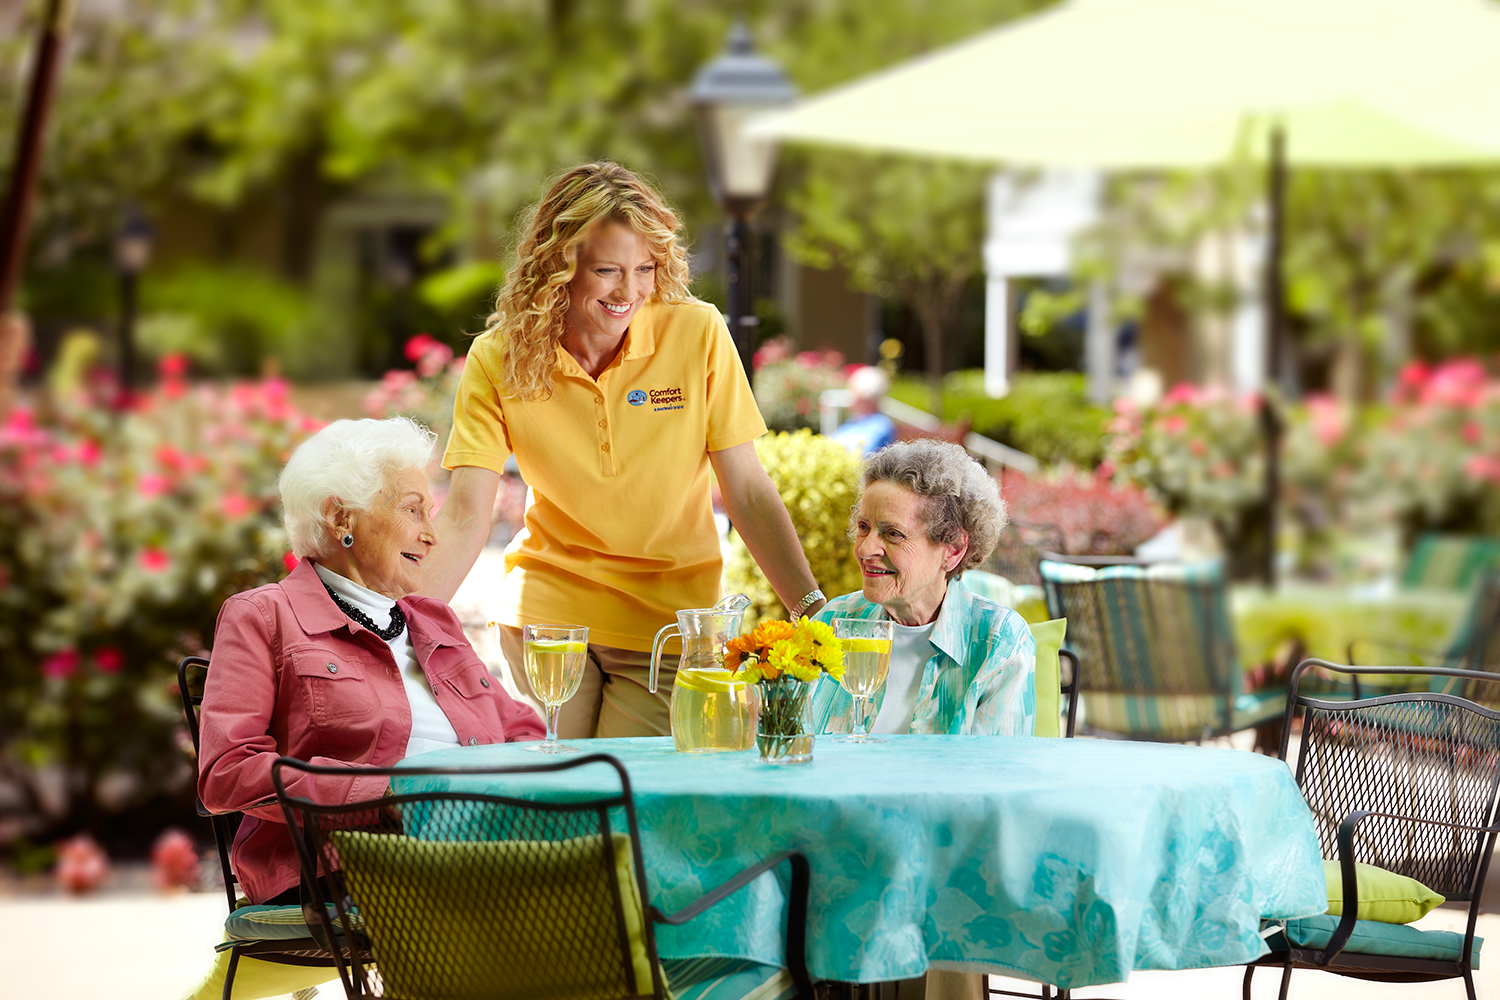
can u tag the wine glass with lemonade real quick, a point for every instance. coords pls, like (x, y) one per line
(867, 660)
(555, 655)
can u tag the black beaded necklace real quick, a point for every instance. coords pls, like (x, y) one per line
(398, 617)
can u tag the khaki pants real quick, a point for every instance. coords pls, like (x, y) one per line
(613, 699)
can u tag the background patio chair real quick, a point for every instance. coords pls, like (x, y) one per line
(275, 934)
(1449, 562)
(1155, 649)
(1475, 646)
(1405, 782)
(477, 895)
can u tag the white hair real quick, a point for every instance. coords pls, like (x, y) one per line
(350, 462)
(868, 382)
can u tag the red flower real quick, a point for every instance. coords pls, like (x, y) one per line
(236, 506)
(109, 660)
(82, 865)
(420, 345)
(152, 485)
(289, 561)
(174, 861)
(60, 666)
(154, 560)
(172, 366)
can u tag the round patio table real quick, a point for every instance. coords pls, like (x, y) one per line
(1064, 861)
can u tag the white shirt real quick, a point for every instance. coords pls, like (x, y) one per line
(910, 652)
(430, 728)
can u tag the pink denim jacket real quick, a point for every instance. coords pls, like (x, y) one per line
(291, 674)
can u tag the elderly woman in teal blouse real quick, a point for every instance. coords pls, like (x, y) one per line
(960, 664)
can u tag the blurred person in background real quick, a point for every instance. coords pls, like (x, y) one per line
(338, 663)
(617, 392)
(960, 664)
(867, 430)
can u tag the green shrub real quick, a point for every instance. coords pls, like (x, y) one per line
(818, 480)
(1046, 414)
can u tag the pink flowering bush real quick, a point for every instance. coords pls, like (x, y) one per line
(425, 394)
(121, 534)
(1095, 516)
(788, 384)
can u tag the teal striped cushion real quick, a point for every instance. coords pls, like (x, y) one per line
(271, 923)
(1371, 937)
(1449, 562)
(1183, 717)
(727, 979)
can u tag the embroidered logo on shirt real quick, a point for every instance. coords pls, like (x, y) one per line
(666, 399)
(636, 398)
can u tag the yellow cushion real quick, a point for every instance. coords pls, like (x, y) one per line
(1383, 896)
(453, 918)
(1049, 638)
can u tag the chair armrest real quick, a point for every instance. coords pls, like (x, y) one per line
(796, 920)
(1071, 688)
(1351, 884)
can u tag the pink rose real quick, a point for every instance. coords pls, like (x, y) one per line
(82, 865)
(154, 560)
(60, 666)
(109, 660)
(236, 506)
(174, 861)
(289, 561)
(152, 485)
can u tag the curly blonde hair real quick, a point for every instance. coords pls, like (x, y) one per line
(532, 306)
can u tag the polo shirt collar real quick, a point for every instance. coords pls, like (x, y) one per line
(640, 341)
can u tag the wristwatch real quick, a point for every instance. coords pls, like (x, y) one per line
(813, 597)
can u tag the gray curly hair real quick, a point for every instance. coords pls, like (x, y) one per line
(962, 498)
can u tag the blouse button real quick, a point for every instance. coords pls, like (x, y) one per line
(333, 668)
(604, 447)
(473, 741)
(484, 682)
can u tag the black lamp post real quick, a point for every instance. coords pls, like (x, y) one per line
(726, 93)
(134, 242)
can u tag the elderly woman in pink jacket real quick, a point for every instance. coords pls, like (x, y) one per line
(338, 663)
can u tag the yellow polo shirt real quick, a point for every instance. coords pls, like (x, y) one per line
(619, 531)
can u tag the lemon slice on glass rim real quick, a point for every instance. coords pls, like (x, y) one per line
(557, 646)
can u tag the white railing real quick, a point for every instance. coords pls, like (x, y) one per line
(833, 401)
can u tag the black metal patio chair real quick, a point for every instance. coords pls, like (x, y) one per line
(1155, 648)
(474, 895)
(270, 934)
(1405, 782)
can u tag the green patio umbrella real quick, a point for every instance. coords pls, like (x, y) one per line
(1153, 84)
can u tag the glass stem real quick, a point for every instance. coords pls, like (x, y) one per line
(859, 722)
(553, 711)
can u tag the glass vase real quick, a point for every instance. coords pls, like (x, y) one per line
(784, 733)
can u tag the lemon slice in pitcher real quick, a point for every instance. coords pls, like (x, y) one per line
(709, 681)
(866, 645)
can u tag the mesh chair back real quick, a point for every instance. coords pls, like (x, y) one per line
(1020, 549)
(1424, 756)
(463, 895)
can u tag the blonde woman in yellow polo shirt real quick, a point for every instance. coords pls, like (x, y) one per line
(616, 391)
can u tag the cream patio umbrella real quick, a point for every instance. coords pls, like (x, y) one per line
(1150, 84)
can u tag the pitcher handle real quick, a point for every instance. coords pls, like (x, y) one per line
(656, 644)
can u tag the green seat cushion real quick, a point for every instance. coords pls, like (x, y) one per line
(727, 979)
(1383, 896)
(1371, 937)
(452, 918)
(1049, 638)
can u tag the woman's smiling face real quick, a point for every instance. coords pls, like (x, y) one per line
(616, 274)
(904, 571)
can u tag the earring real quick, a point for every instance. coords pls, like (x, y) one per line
(347, 540)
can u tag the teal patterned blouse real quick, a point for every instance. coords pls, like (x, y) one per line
(979, 681)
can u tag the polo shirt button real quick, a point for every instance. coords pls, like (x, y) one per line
(333, 668)
(473, 741)
(484, 682)
(602, 424)
(604, 447)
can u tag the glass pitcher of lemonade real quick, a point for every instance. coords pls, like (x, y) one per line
(712, 709)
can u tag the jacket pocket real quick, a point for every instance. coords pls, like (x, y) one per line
(335, 688)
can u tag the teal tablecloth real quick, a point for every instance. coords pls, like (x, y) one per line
(1066, 861)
